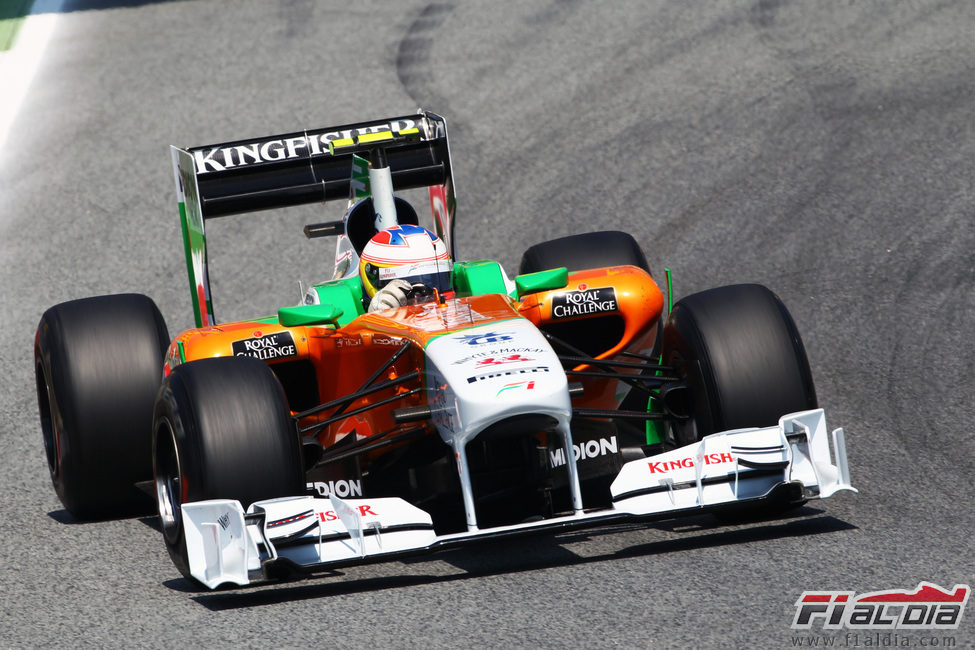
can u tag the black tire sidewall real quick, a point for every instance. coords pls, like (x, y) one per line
(584, 251)
(99, 363)
(740, 353)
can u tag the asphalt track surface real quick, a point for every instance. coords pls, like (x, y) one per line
(823, 149)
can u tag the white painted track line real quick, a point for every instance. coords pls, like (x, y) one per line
(19, 64)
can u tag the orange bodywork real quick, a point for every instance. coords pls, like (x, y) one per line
(640, 305)
(343, 359)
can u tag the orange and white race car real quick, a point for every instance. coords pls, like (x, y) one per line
(574, 394)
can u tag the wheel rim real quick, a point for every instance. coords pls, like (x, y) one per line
(168, 480)
(50, 426)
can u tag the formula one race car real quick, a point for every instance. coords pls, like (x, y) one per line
(327, 435)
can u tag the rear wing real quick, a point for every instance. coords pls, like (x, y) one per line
(304, 167)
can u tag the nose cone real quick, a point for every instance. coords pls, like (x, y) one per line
(485, 374)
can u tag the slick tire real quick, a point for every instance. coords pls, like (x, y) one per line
(744, 363)
(589, 250)
(98, 364)
(740, 353)
(221, 430)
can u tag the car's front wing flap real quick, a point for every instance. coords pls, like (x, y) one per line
(733, 466)
(226, 545)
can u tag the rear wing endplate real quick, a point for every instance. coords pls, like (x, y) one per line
(304, 167)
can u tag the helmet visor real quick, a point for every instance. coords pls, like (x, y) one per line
(433, 274)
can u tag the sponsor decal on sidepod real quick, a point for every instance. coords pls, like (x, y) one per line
(580, 303)
(271, 346)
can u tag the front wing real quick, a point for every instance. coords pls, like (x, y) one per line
(281, 537)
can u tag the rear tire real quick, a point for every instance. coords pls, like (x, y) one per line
(222, 430)
(98, 363)
(589, 250)
(741, 355)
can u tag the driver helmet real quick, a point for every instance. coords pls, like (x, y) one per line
(407, 252)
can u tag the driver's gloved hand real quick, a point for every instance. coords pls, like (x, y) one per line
(395, 294)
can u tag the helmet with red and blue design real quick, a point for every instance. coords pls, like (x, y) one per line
(406, 252)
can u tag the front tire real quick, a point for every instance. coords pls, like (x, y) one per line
(742, 358)
(98, 363)
(222, 430)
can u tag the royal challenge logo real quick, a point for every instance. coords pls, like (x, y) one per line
(584, 302)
